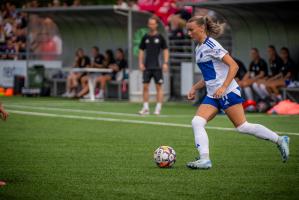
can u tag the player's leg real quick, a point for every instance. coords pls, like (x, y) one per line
(103, 82)
(237, 116)
(147, 75)
(85, 88)
(158, 76)
(206, 111)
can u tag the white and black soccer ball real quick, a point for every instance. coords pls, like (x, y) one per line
(165, 156)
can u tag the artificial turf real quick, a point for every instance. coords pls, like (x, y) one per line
(57, 158)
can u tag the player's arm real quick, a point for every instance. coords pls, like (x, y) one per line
(96, 65)
(233, 69)
(166, 59)
(140, 59)
(191, 94)
(3, 113)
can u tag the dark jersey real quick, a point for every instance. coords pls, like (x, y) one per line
(275, 66)
(99, 59)
(256, 68)
(122, 64)
(242, 69)
(287, 67)
(152, 45)
(83, 62)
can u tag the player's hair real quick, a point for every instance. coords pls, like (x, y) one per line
(255, 49)
(273, 48)
(213, 28)
(121, 51)
(154, 17)
(96, 48)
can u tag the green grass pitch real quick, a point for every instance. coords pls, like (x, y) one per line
(65, 149)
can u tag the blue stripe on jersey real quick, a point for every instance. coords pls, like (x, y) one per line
(208, 70)
(211, 43)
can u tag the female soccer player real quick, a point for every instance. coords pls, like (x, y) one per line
(223, 92)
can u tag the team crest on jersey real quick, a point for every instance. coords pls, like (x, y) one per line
(147, 41)
(157, 40)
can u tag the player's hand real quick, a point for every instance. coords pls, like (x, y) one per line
(141, 67)
(3, 114)
(165, 67)
(219, 92)
(191, 94)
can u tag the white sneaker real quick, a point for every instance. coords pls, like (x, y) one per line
(200, 164)
(284, 147)
(157, 112)
(144, 111)
(87, 96)
(72, 95)
(100, 95)
(65, 94)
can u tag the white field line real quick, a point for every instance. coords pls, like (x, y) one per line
(115, 113)
(125, 121)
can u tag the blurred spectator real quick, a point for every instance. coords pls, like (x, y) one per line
(121, 4)
(76, 3)
(275, 64)
(257, 70)
(177, 26)
(81, 61)
(97, 61)
(109, 62)
(287, 74)
(133, 4)
(56, 3)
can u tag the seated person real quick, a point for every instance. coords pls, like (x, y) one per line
(285, 76)
(257, 70)
(116, 65)
(81, 61)
(97, 62)
(275, 64)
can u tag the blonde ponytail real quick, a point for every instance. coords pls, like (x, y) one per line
(212, 28)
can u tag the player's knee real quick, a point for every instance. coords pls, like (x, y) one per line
(198, 121)
(246, 128)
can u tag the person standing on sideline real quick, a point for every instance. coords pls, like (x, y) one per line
(4, 116)
(223, 92)
(150, 48)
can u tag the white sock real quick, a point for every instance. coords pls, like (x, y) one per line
(258, 131)
(201, 136)
(248, 93)
(264, 90)
(159, 106)
(257, 89)
(145, 106)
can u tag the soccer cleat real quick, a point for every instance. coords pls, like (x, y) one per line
(200, 164)
(100, 95)
(283, 147)
(157, 112)
(144, 111)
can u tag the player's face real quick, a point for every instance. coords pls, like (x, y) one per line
(253, 55)
(283, 54)
(271, 52)
(94, 52)
(152, 25)
(195, 31)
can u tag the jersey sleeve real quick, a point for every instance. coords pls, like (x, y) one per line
(142, 43)
(218, 52)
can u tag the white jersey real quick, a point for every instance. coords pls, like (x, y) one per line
(209, 60)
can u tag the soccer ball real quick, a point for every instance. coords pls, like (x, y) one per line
(165, 156)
